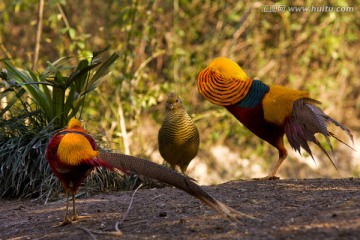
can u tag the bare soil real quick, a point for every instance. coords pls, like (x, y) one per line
(286, 209)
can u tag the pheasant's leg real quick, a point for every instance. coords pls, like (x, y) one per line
(282, 156)
(75, 216)
(272, 174)
(67, 219)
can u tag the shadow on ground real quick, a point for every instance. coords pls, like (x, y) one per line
(287, 209)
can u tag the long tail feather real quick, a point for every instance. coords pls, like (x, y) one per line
(326, 153)
(343, 128)
(164, 174)
(307, 120)
(334, 136)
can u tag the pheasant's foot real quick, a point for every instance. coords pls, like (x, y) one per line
(77, 218)
(267, 178)
(63, 223)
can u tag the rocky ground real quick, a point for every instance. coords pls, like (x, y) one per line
(285, 209)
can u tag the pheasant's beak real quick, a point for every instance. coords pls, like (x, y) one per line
(169, 106)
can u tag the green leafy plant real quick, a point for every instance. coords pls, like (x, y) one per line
(59, 97)
(37, 104)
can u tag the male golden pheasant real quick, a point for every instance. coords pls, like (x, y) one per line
(72, 155)
(270, 112)
(178, 136)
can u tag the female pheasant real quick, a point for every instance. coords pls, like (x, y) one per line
(270, 112)
(178, 136)
(72, 154)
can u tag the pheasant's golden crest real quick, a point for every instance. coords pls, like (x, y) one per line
(223, 82)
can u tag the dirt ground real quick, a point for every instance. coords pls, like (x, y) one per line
(286, 209)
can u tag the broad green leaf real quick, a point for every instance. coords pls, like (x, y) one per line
(60, 90)
(101, 73)
(69, 102)
(58, 103)
(104, 68)
(97, 53)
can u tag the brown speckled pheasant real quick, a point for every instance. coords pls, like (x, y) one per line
(178, 136)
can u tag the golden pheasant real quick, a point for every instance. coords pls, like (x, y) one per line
(270, 112)
(72, 155)
(178, 136)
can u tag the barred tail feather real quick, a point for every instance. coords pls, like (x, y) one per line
(307, 120)
(164, 174)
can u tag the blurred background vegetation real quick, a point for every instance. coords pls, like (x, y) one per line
(164, 44)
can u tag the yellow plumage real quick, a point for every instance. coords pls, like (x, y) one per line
(228, 69)
(74, 123)
(278, 103)
(74, 148)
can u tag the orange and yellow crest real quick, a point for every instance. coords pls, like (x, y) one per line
(223, 82)
(74, 123)
(228, 69)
